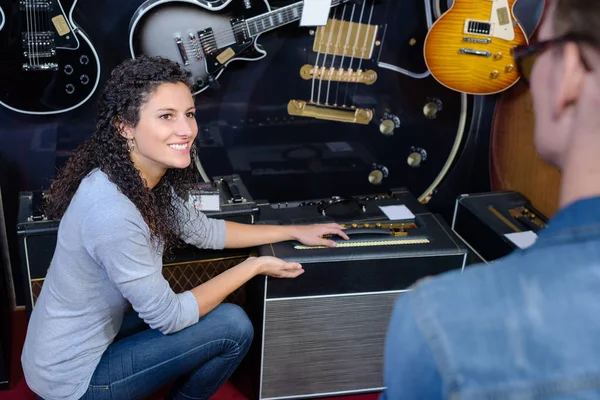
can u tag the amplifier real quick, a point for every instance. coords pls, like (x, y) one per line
(184, 269)
(494, 224)
(323, 333)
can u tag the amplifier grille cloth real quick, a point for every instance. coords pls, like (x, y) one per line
(185, 276)
(324, 345)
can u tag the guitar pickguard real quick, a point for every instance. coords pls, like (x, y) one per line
(500, 24)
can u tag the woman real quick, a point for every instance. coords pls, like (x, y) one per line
(121, 202)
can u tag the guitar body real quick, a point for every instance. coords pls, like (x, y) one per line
(468, 49)
(48, 63)
(515, 162)
(171, 29)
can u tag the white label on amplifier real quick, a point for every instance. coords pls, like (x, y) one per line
(522, 239)
(315, 12)
(397, 212)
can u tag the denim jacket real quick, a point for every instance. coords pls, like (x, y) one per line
(524, 327)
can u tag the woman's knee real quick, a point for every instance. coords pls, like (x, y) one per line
(235, 323)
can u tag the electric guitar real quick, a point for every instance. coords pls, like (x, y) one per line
(48, 63)
(203, 39)
(468, 49)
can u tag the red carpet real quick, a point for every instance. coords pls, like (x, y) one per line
(19, 391)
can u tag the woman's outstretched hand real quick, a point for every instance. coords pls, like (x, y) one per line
(275, 267)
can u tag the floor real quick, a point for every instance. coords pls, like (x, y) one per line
(18, 389)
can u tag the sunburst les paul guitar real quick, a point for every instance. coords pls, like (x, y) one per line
(468, 49)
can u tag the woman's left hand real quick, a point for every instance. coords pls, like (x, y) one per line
(312, 235)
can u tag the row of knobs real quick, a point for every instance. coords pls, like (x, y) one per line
(508, 69)
(389, 122)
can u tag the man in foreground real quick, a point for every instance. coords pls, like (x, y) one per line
(526, 326)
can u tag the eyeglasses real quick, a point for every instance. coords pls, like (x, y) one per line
(526, 55)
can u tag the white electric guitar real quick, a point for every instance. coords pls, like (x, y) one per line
(202, 37)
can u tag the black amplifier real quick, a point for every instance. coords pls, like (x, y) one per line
(323, 333)
(494, 224)
(37, 239)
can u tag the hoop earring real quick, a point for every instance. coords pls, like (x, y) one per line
(130, 145)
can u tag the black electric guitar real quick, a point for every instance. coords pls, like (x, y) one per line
(202, 37)
(47, 63)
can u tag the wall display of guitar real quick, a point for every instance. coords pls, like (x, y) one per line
(203, 37)
(351, 75)
(468, 49)
(48, 63)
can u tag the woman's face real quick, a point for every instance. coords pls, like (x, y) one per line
(165, 132)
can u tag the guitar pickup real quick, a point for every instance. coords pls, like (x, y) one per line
(352, 115)
(327, 39)
(367, 77)
(478, 27)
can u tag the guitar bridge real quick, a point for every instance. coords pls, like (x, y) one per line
(302, 108)
(338, 75)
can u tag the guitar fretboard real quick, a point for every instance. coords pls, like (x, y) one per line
(275, 19)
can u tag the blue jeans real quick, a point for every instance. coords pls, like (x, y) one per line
(197, 360)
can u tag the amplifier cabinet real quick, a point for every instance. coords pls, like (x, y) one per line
(184, 269)
(323, 333)
(494, 224)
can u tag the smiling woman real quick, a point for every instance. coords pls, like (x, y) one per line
(121, 200)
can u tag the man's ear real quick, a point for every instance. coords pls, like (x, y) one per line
(123, 129)
(570, 78)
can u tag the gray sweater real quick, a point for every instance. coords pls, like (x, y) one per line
(104, 261)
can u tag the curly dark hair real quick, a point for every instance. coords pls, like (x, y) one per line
(128, 88)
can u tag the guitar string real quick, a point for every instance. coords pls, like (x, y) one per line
(337, 46)
(28, 37)
(312, 90)
(36, 34)
(344, 52)
(37, 38)
(364, 48)
(331, 29)
(358, 29)
(33, 33)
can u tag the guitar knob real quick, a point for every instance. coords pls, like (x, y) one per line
(68, 69)
(69, 88)
(387, 126)
(497, 56)
(378, 174)
(414, 159)
(510, 68)
(84, 60)
(494, 74)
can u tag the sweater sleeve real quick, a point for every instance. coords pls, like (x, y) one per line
(199, 230)
(117, 238)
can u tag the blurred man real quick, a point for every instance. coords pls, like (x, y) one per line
(527, 326)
